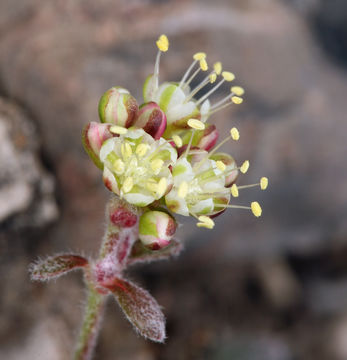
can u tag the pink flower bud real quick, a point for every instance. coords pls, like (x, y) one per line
(93, 136)
(156, 229)
(151, 119)
(118, 107)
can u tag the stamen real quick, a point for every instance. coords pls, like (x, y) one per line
(235, 134)
(237, 90)
(199, 56)
(191, 78)
(218, 67)
(183, 190)
(206, 222)
(177, 140)
(141, 149)
(126, 150)
(162, 186)
(163, 43)
(128, 184)
(203, 65)
(212, 77)
(156, 165)
(256, 209)
(234, 191)
(244, 167)
(228, 76)
(196, 124)
(264, 181)
(210, 92)
(163, 46)
(115, 129)
(236, 100)
(220, 165)
(189, 144)
(119, 167)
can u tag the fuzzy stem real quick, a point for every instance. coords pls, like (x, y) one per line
(121, 234)
(91, 325)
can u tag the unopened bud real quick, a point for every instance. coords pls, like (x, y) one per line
(151, 119)
(204, 139)
(156, 229)
(118, 107)
(93, 136)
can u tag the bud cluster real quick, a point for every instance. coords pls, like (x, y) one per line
(164, 153)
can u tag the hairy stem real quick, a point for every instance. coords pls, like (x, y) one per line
(90, 326)
(121, 234)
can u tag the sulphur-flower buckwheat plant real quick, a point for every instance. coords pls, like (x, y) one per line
(158, 160)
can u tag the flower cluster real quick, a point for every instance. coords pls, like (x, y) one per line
(162, 156)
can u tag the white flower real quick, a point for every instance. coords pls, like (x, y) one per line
(136, 167)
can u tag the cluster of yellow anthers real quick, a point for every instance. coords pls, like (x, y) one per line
(164, 152)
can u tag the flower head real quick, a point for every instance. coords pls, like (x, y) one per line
(165, 152)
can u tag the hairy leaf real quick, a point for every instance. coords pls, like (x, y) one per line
(55, 266)
(140, 308)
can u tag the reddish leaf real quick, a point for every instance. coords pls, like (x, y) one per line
(55, 266)
(140, 308)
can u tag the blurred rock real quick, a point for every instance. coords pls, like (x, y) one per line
(26, 188)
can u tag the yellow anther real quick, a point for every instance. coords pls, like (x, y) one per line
(177, 140)
(234, 191)
(237, 90)
(264, 182)
(156, 165)
(183, 190)
(151, 185)
(256, 209)
(163, 43)
(228, 76)
(235, 135)
(203, 65)
(205, 222)
(128, 184)
(213, 78)
(126, 150)
(119, 167)
(199, 56)
(162, 186)
(141, 149)
(220, 165)
(236, 100)
(196, 124)
(244, 167)
(218, 67)
(115, 129)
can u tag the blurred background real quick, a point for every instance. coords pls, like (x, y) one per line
(273, 288)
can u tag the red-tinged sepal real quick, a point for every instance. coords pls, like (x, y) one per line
(204, 139)
(151, 119)
(140, 253)
(56, 266)
(93, 136)
(140, 308)
(118, 107)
